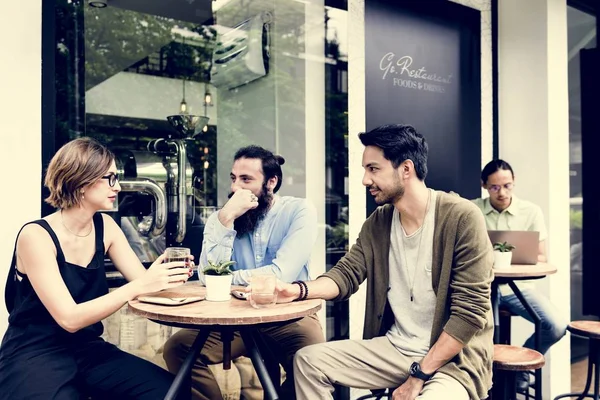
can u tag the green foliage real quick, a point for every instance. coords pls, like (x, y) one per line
(576, 219)
(218, 268)
(118, 39)
(337, 236)
(503, 247)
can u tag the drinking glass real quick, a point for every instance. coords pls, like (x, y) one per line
(263, 291)
(178, 254)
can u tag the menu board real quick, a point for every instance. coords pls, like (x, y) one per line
(422, 63)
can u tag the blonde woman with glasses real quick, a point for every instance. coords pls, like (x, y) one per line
(57, 294)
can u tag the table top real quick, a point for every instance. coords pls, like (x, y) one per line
(232, 312)
(538, 270)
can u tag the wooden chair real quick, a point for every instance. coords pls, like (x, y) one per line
(590, 330)
(505, 325)
(508, 360)
(505, 338)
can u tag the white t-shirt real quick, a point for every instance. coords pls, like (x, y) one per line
(410, 262)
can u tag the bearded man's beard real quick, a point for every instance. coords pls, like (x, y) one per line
(248, 221)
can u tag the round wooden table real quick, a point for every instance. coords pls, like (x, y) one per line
(509, 275)
(519, 271)
(225, 317)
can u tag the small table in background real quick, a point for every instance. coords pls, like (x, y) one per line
(225, 317)
(518, 272)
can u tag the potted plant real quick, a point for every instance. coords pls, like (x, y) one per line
(218, 278)
(503, 254)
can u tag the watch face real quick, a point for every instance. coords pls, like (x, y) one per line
(414, 368)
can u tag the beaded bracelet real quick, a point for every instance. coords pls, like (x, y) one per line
(305, 290)
(301, 296)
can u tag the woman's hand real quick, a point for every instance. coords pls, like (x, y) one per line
(162, 276)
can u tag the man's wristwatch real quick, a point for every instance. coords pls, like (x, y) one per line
(415, 371)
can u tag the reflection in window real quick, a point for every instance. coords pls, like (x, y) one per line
(122, 69)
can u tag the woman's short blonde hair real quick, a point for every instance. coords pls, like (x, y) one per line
(77, 164)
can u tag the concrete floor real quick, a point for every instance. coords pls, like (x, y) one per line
(578, 376)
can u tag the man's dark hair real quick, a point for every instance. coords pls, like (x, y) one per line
(493, 166)
(399, 143)
(271, 163)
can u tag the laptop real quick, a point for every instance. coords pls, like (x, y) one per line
(526, 244)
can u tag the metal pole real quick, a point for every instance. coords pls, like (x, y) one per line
(186, 367)
(259, 365)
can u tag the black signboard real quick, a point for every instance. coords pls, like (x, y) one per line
(422, 63)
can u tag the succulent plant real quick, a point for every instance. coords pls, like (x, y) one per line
(218, 268)
(503, 247)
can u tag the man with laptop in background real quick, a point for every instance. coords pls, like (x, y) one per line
(503, 211)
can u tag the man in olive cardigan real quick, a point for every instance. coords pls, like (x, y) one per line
(427, 260)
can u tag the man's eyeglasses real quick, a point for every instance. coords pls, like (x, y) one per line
(112, 179)
(496, 188)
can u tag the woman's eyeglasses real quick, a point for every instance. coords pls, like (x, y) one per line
(112, 179)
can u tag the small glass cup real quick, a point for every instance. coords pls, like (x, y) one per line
(178, 254)
(263, 292)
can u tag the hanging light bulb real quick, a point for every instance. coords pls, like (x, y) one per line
(205, 129)
(207, 96)
(183, 107)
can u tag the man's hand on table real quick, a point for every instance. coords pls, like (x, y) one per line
(286, 292)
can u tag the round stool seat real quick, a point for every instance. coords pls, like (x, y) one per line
(514, 358)
(589, 329)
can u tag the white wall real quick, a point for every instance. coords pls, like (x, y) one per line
(20, 125)
(356, 123)
(314, 117)
(533, 138)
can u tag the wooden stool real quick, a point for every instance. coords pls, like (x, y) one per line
(505, 325)
(508, 360)
(590, 330)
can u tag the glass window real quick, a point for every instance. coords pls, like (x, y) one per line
(175, 88)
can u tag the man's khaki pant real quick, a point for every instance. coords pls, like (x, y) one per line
(363, 364)
(283, 341)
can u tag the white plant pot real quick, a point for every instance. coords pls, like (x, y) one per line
(502, 260)
(218, 287)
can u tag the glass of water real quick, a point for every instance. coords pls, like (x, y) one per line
(177, 254)
(263, 291)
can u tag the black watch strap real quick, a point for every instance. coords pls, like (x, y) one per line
(415, 371)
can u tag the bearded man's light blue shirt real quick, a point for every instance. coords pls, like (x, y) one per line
(280, 244)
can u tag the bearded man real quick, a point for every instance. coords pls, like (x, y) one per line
(263, 233)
